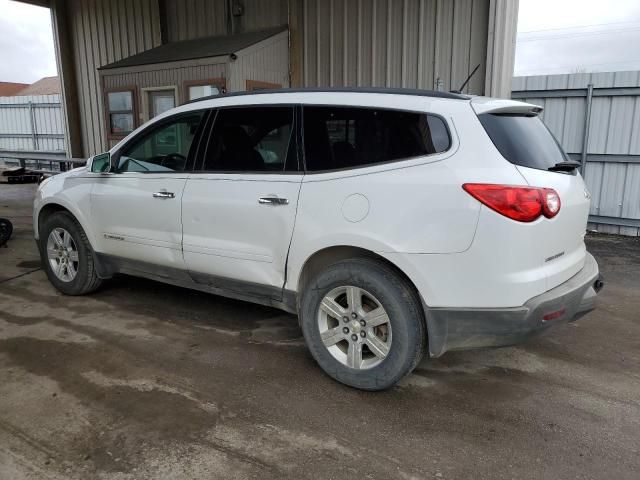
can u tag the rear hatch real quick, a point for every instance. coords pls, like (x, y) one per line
(522, 139)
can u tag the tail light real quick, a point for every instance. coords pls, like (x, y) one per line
(523, 204)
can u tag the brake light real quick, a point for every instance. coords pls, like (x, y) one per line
(523, 204)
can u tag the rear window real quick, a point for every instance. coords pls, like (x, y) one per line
(523, 140)
(349, 137)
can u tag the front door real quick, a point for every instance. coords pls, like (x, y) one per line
(137, 208)
(239, 205)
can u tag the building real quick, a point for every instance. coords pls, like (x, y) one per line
(44, 86)
(122, 61)
(7, 89)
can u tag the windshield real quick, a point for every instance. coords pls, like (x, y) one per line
(523, 140)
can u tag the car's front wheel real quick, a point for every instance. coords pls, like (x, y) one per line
(66, 255)
(363, 323)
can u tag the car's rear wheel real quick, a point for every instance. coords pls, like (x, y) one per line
(363, 323)
(67, 256)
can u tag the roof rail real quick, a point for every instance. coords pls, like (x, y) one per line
(391, 91)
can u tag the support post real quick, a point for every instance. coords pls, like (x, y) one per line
(32, 119)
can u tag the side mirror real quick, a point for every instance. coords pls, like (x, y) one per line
(99, 163)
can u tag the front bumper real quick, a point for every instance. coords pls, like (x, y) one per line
(465, 328)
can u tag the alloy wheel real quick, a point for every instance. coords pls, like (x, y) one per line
(62, 253)
(354, 327)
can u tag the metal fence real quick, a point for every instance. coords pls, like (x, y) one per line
(32, 132)
(596, 118)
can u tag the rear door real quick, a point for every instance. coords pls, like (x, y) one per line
(137, 209)
(239, 206)
(523, 140)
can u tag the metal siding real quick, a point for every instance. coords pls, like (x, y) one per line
(103, 31)
(267, 61)
(573, 124)
(600, 115)
(187, 19)
(17, 120)
(400, 43)
(593, 180)
(631, 192)
(611, 192)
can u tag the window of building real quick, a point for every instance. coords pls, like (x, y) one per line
(120, 113)
(203, 88)
(252, 139)
(347, 137)
(164, 149)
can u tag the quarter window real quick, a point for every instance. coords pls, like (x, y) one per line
(252, 139)
(346, 137)
(164, 149)
(120, 113)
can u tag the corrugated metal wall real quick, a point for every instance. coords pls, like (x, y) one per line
(400, 43)
(103, 31)
(267, 61)
(187, 19)
(31, 123)
(612, 171)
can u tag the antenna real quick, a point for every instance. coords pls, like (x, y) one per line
(467, 80)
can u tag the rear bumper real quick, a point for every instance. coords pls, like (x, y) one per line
(464, 328)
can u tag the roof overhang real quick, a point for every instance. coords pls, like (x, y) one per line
(37, 3)
(224, 46)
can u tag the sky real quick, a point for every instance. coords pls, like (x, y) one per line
(26, 43)
(554, 36)
(567, 36)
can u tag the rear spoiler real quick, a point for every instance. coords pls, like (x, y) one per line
(496, 105)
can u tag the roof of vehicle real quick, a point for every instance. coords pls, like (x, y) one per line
(383, 90)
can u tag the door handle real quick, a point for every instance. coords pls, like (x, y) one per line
(273, 200)
(164, 195)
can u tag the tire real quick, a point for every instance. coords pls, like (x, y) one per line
(6, 229)
(403, 335)
(85, 279)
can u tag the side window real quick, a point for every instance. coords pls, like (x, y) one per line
(345, 137)
(251, 139)
(164, 149)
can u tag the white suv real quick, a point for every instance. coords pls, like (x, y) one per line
(391, 221)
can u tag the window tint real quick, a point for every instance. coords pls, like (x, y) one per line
(251, 139)
(165, 149)
(343, 137)
(523, 140)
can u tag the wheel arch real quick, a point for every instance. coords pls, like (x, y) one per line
(324, 257)
(52, 207)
